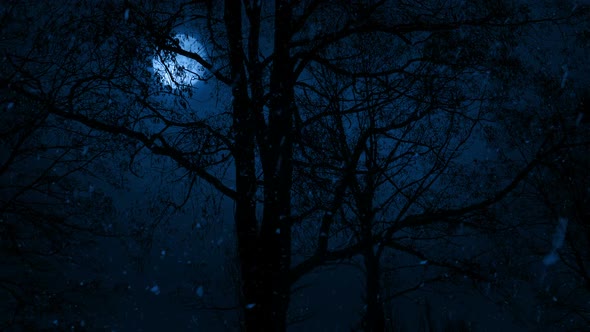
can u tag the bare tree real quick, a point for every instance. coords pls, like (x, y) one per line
(49, 216)
(263, 57)
(552, 250)
(402, 138)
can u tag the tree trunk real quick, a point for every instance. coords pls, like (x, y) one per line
(265, 249)
(374, 319)
(249, 248)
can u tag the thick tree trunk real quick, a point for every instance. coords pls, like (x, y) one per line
(265, 249)
(249, 248)
(374, 319)
(276, 152)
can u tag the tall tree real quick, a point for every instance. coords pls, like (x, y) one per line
(49, 215)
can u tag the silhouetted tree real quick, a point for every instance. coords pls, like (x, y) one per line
(49, 216)
(402, 138)
(266, 133)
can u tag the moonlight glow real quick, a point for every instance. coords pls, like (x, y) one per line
(179, 70)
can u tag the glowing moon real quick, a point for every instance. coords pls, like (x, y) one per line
(179, 70)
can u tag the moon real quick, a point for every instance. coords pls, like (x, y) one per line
(178, 70)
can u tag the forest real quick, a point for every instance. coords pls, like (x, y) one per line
(294, 165)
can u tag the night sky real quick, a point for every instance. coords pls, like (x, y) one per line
(302, 165)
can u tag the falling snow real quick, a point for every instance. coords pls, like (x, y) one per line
(155, 289)
(564, 77)
(558, 238)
